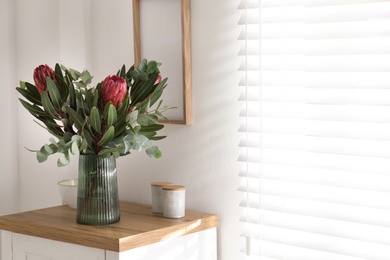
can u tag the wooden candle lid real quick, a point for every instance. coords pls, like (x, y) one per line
(160, 184)
(173, 187)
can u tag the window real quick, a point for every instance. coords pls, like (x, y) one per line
(315, 146)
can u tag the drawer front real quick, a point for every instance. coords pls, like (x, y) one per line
(33, 248)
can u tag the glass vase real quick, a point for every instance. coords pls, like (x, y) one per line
(97, 194)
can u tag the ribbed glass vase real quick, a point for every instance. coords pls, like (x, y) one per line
(97, 194)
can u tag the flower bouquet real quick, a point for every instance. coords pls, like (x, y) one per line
(111, 118)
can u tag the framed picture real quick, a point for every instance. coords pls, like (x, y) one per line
(162, 33)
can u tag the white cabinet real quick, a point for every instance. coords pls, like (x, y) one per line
(196, 246)
(53, 234)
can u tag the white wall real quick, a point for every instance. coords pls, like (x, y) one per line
(98, 35)
(9, 195)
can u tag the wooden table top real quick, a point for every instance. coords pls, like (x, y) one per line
(138, 226)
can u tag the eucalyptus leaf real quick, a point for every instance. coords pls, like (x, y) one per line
(41, 157)
(143, 65)
(132, 118)
(75, 148)
(154, 152)
(147, 120)
(63, 160)
(86, 77)
(48, 149)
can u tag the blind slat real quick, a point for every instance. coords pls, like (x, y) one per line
(377, 165)
(354, 248)
(319, 209)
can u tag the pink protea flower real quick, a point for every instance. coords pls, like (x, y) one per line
(40, 74)
(158, 80)
(114, 89)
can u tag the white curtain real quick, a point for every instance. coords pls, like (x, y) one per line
(315, 146)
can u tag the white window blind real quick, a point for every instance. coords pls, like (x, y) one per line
(315, 146)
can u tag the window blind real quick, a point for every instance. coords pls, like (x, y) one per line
(315, 145)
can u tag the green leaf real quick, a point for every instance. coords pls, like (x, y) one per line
(22, 84)
(67, 137)
(54, 93)
(133, 74)
(47, 105)
(33, 109)
(90, 98)
(123, 71)
(158, 92)
(147, 120)
(33, 90)
(63, 160)
(112, 115)
(75, 148)
(41, 157)
(89, 139)
(154, 152)
(50, 124)
(72, 94)
(132, 118)
(74, 74)
(123, 108)
(129, 72)
(150, 128)
(143, 75)
(110, 150)
(143, 107)
(95, 119)
(86, 77)
(58, 71)
(30, 97)
(48, 149)
(84, 145)
(108, 135)
(146, 89)
(143, 65)
(152, 67)
(156, 138)
(120, 127)
(76, 118)
(106, 108)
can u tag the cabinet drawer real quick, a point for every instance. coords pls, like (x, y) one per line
(34, 248)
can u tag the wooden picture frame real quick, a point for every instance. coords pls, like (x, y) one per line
(167, 33)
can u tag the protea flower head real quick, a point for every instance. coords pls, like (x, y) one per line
(40, 74)
(114, 89)
(158, 80)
